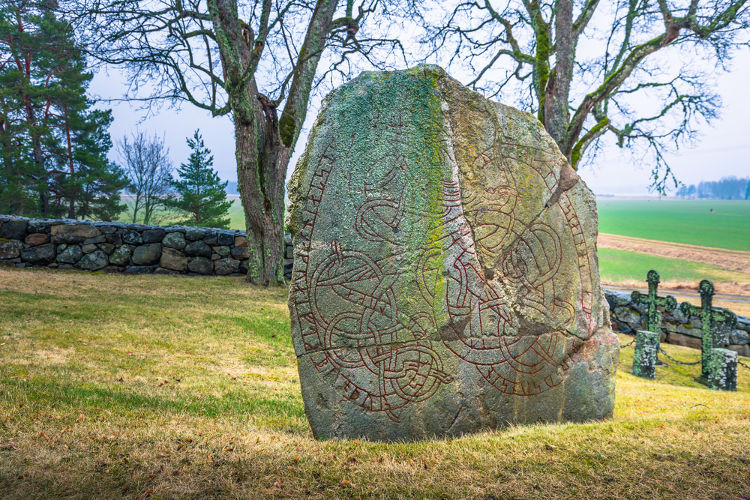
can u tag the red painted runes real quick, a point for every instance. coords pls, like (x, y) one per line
(463, 277)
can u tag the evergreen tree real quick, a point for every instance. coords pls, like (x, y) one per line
(91, 189)
(202, 195)
(23, 115)
(53, 147)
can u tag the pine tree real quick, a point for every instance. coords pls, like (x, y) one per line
(53, 147)
(202, 195)
(92, 190)
(23, 114)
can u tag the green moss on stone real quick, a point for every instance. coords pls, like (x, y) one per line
(287, 128)
(644, 357)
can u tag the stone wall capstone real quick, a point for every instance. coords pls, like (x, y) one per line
(677, 328)
(125, 248)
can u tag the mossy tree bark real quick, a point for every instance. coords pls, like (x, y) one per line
(263, 142)
(179, 42)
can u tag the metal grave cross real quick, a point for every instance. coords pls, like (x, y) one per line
(669, 303)
(654, 301)
(710, 318)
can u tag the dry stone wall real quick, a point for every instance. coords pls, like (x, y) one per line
(677, 328)
(126, 248)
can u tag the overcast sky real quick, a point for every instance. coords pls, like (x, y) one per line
(722, 150)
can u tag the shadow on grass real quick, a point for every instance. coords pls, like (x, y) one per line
(57, 394)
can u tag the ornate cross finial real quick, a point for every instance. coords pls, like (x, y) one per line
(654, 301)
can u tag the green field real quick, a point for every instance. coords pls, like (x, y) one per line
(680, 221)
(236, 215)
(619, 265)
(115, 386)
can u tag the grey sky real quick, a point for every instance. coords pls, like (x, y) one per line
(722, 150)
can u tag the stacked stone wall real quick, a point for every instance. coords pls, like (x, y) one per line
(677, 328)
(120, 247)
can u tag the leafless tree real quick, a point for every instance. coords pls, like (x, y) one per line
(640, 70)
(149, 170)
(256, 61)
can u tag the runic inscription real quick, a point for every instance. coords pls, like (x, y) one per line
(434, 260)
(368, 332)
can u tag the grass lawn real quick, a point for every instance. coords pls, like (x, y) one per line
(619, 265)
(168, 386)
(681, 221)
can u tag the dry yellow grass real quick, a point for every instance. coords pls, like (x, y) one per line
(160, 386)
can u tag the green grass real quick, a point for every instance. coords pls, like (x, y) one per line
(619, 265)
(167, 386)
(163, 218)
(681, 221)
(236, 215)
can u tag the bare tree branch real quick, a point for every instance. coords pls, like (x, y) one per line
(531, 48)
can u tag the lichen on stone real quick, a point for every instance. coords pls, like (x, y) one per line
(439, 286)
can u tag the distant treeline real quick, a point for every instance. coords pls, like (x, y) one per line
(726, 188)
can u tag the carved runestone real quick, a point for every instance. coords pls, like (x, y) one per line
(445, 274)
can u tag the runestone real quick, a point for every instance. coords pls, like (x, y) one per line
(445, 273)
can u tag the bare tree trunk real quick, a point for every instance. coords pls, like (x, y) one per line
(43, 177)
(260, 174)
(71, 202)
(136, 206)
(263, 141)
(12, 172)
(262, 160)
(557, 91)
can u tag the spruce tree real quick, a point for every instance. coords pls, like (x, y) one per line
(202, 197)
